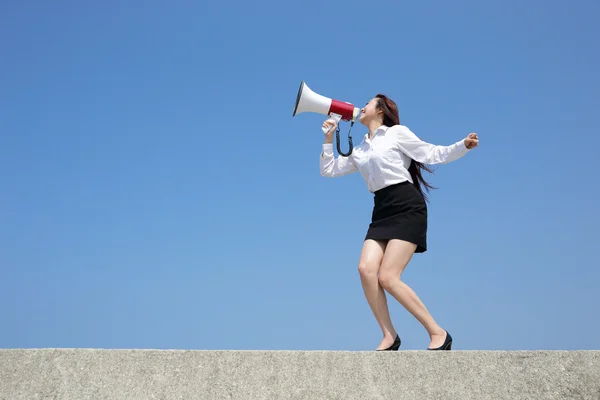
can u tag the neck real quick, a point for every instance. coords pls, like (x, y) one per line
(373, 125)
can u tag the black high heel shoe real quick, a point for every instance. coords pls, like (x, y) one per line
(395, 346)
(447, 343)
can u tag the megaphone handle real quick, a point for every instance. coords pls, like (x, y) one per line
(335, 117)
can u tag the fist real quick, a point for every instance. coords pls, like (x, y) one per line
(329, 127)
(471, 141)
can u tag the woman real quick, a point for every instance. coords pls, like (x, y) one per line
(390, 159)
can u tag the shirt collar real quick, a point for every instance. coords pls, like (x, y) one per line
(382, 129)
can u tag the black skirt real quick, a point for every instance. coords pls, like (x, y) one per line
(399, 212)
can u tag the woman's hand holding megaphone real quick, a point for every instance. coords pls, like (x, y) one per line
(329, 127)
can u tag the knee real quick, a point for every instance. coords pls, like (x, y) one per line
(367, 270)
(386, 279)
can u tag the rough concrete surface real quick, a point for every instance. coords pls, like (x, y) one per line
(81, 374)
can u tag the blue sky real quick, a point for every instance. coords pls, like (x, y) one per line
(158, 193)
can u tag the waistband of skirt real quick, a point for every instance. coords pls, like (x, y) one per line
(391, 187)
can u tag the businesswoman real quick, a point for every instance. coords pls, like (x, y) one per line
(390, 159)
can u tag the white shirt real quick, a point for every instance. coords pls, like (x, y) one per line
(384, 159)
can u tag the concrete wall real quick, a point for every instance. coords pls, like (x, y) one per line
(80, 374)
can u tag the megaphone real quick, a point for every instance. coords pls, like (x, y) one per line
(309, 101)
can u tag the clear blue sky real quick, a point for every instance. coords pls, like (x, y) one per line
(157, 193)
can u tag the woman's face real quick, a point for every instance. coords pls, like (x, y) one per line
(369, 112)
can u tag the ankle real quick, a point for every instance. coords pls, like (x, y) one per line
(437, 332)
(390, 334)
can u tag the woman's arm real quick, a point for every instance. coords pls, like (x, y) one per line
(332, 167)
(428, 153)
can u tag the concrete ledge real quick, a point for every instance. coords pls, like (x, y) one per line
(80, 374)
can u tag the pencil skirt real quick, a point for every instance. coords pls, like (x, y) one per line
(399, 212)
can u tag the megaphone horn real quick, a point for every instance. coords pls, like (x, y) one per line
(309, 101)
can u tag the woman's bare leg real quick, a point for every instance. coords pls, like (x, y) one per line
(397, 255)
(368, 267)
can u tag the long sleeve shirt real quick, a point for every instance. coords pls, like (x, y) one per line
(384, 159)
